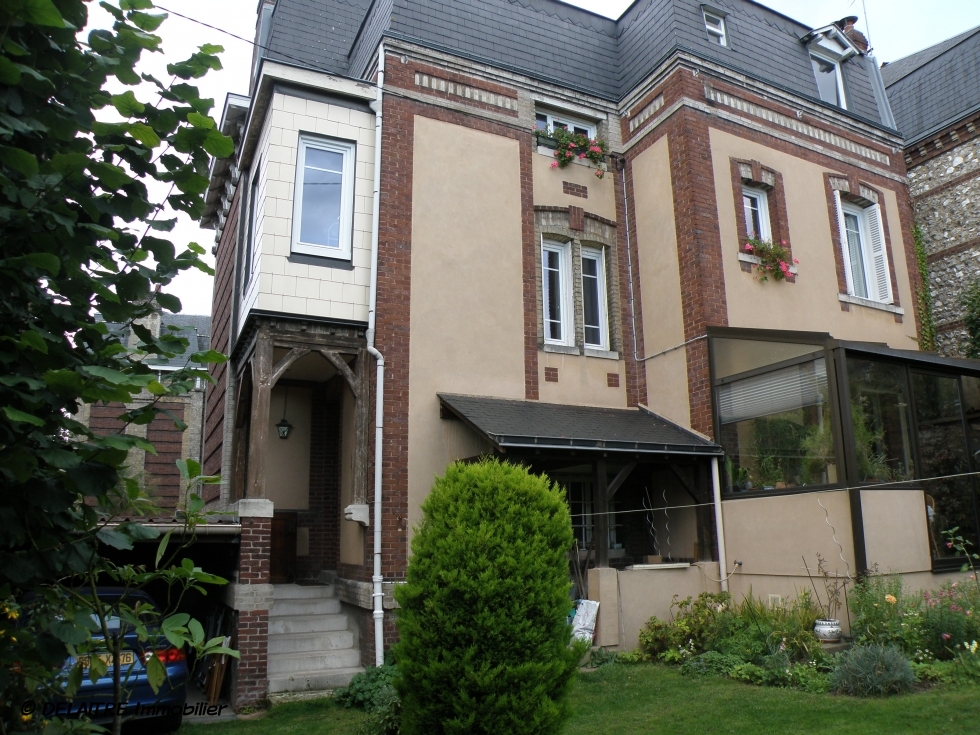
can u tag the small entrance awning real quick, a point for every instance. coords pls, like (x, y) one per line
(510, 424)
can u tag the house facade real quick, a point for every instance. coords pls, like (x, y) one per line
(702, 322)
(934, 95)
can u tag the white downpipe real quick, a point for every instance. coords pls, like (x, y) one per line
(719, 525)
(378, 593)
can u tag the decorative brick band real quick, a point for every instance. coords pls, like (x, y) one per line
(954, 250)
(465, 91)
(797, 126)
(647, 112)
(551, 375)
(612, 380)
(575, 190)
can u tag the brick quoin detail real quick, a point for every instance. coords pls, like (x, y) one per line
(551, 375)
(612, 380)
(575, 190)
(250, 676)
(636, 374)
(252, 627)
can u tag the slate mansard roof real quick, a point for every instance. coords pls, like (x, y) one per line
(932, 89)
(555, 42)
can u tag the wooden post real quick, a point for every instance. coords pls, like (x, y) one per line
(600, 504)
(261, 398)
(362, 427)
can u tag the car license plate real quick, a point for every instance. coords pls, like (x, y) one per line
(126, 658)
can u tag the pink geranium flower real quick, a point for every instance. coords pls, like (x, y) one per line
(749, 247)
(581, 155)
(554, 164)
(946, 636)
(795, 261)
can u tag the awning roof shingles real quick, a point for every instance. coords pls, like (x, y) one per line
(534, 425)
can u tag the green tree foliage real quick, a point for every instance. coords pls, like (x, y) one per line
(483, 621)
(971, 317)
(80, 235)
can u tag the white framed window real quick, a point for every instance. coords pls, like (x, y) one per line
(323, 206)
(830, 80)
(755, 209)
(863, 250)
(594, 317)
(714, 24)
(253, 243)
(556, 293)
(550, 121)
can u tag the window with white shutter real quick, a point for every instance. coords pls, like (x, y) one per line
(862, 242)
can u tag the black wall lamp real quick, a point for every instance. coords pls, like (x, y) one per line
(284, 427)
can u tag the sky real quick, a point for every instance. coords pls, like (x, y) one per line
(896, 28)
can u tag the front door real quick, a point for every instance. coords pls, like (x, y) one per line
(282, 552)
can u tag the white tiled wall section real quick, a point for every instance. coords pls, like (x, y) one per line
(296, 288)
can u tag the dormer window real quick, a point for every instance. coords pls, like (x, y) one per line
(714, 24)
(830, 83)
(829, 48)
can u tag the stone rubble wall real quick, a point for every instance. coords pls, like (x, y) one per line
(950, 224)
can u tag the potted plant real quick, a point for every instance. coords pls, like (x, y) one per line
(827, 629)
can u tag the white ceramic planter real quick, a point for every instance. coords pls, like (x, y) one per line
(827, 630)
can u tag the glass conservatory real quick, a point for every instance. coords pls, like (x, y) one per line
(799, 412)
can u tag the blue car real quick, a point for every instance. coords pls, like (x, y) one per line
(95, 699)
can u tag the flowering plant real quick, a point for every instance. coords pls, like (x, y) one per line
(570, 146)
(774, 259)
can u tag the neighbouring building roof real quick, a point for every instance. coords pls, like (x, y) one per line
(511, 424)
(553, 41)
(195, 327)
(932, 89)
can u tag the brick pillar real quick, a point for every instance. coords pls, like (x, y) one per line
(251, 597)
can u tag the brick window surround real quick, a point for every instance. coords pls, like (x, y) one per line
(757, 176)
(857, 192)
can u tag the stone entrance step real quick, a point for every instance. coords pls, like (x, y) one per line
(311, 647)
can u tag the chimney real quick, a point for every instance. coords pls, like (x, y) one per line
(847, 26)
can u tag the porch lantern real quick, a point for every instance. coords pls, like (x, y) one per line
(284, 427)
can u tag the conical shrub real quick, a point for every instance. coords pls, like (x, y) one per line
(484, 640)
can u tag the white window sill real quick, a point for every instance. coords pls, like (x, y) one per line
(756, 260)
(603, 354)
(550, 153)
(848, 299)
(679, 565)
(561, 349)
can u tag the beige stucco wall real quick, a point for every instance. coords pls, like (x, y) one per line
(810, 304)
(660, 285)
(582, 380)
(296, 288)
(896, 532)
(548, 189)
(467, 308)
(287, 464)
(772, 536)
(351, 532)
(645, 593)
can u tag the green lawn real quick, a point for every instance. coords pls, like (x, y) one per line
(657, 700)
